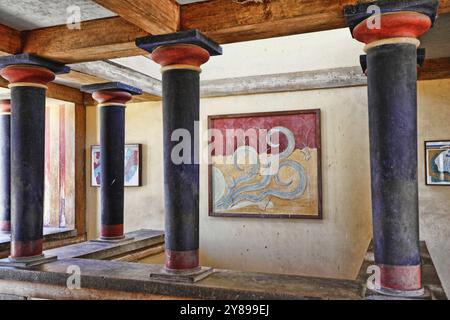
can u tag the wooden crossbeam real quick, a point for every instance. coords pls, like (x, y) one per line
(10, 40)
(96, 40)
(152, 16)
(226, 21)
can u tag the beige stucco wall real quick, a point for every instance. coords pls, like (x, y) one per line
(333, 247)
(434, 201)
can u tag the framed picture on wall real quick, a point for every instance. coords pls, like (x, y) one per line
(265, 165)
(437, 163)
(133, 165)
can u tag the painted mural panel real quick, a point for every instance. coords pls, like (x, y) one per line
(265, 165)
(437, 155)
(132, 165)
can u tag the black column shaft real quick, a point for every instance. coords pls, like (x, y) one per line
(181, 111)
(5, 172)
(27, 170)
(392, 76)
(112, 141)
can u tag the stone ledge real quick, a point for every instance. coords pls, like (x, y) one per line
(106, 250)
(114, 276)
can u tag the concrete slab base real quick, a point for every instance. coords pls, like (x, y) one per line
(190, 276)
(27, 262)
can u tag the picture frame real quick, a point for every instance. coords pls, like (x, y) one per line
(312, 205)
(437, 162)
(132, 165)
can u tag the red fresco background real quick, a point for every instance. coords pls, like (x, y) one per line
(302, 125)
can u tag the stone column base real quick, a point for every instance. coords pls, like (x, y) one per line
(113, 240)
(189, 276)
(27, 262)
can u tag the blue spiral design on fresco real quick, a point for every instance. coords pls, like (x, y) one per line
(236, 193)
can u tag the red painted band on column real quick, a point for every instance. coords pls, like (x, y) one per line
(393, 25)
(5, 226)
(180, 54)
(404, 278)
(22, 249)
(111, 231)
(5, 105)
(111, 96)
(182, 260)
(28, 74)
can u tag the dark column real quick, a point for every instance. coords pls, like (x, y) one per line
(392, 76)
(112, 98)
(28, 76)
(5, 166)
(181, 55)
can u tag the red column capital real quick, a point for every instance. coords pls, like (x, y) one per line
(180, 56)
(112, 97)
(394, 27)
(27, 75)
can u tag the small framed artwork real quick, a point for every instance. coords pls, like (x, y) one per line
(132, 165)
(437, 163)
(265, 165)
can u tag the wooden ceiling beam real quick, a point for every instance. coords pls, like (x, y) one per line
(99, 39)
(152, 16)
(10, 40)
(434, 69)
(226, 21)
